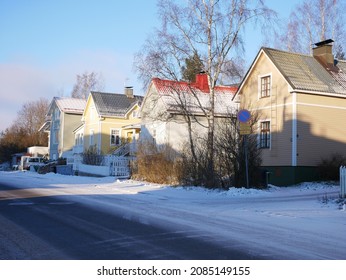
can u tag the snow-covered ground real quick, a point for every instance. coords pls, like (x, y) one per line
(297, 222)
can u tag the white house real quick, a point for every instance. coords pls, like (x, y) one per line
(167, 103)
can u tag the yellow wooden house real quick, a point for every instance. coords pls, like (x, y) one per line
(300, 102)
(111, 120)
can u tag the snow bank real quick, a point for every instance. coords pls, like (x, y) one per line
(305, 221)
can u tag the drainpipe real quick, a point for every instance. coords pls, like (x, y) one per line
(294, 128)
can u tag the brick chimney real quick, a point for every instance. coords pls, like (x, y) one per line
(202, 82)
(323, 52)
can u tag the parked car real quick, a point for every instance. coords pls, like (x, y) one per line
(34, 162)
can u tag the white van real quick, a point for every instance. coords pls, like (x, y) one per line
(32, 161)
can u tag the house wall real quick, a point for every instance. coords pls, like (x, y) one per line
(69, 122)
(161, 128)
(153, 120)
(304, 127)
(54, 133)
(321, 128)
(101, 126)
(277, 109)
(108, 123)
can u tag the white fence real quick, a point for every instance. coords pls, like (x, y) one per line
(120, 166)
(112, 166)
(343, 181)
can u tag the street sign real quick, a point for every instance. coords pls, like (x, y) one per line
(244, 116)
(244, 128)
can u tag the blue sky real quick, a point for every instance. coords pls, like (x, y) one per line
(44, 44)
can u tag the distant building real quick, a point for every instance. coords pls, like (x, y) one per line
(63, 116)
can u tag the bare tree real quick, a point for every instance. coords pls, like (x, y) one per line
(211, 28)
(30, 118)
(313, 21)
(86, 83)
(24, 132)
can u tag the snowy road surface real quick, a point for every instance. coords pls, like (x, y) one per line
(301, 222)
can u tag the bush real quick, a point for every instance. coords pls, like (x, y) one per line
(328, 168)
(157, 165)
(92, 156)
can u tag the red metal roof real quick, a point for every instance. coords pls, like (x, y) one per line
(195, 96)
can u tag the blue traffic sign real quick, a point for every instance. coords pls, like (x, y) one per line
(244, 116)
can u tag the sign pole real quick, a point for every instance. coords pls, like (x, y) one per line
(244, 117)
(246, 162)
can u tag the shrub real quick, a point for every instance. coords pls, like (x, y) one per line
(92, 156)
(328, 168)
(157, 165)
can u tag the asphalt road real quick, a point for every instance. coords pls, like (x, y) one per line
(56, 227)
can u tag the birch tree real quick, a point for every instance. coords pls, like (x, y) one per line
(212, 28)
(85, 83)
(313, 21)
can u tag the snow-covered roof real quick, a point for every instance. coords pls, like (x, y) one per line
(68, 105)
(194, 97)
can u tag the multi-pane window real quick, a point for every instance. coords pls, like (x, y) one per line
(265, 86)
(79, 139)
(115, 137)
(265, 135)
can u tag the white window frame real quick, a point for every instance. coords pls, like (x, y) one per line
(115, 139)
(269, 141)
(92, 137)
(260, 78)
(81, 138)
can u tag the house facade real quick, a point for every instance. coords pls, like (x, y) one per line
(167, 103)
(111, 120)
(64, 115)
(300, 102)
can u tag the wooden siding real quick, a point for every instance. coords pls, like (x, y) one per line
(170, 130)
(321, 127)
(69, 123)
(277, 109)
(102, 127)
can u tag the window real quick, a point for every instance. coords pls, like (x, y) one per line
(265, 86)
(265, 135)
(115, 137)
(79, 139)
(91, 137)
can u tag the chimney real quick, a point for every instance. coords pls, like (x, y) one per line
(202, 82)
(129, 92)
(323, 52)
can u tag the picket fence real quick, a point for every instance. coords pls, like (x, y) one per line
(343, 181)
(120, 167)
